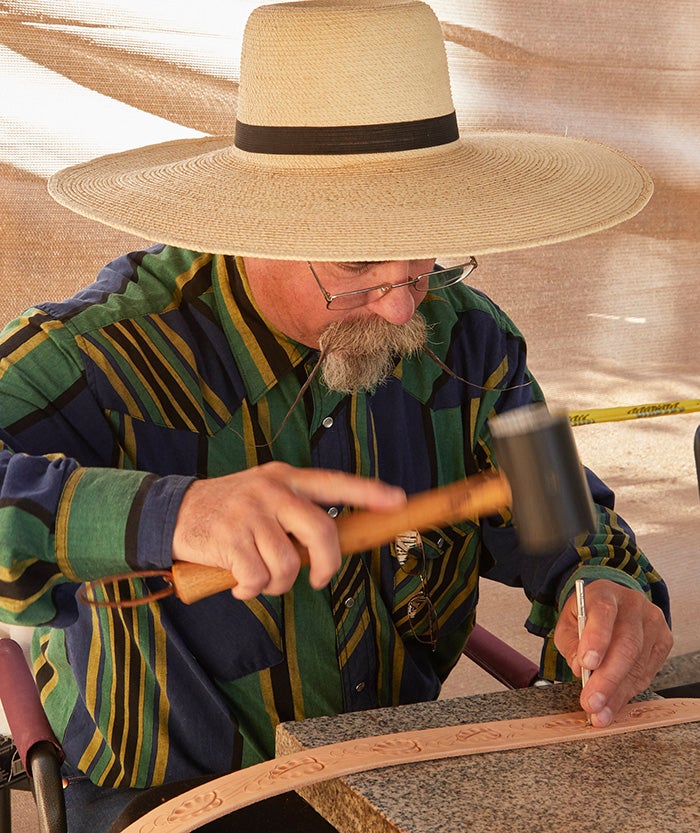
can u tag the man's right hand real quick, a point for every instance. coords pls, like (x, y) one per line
(242, 522)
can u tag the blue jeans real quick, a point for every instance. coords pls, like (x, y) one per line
(89, 808)
(93, 809)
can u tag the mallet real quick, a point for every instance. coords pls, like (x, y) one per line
(543, 480)
(551, 499)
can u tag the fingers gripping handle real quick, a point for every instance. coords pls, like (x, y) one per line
(473, 497)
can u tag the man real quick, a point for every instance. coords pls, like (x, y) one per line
(287, 351)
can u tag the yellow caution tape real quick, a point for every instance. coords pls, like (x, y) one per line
(655, 409)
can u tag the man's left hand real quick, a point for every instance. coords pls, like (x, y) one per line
(625, 643)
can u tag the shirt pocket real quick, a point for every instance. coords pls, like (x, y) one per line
(436, 592)
(229, 638)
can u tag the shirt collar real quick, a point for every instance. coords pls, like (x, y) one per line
(262, 353)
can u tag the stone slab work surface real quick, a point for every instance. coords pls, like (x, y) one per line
(644, 781)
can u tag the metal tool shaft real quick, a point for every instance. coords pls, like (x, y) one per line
(581, 615)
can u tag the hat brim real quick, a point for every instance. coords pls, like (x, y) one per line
(489, 192)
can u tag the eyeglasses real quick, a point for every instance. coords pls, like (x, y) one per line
(428, 282)
(422, 617)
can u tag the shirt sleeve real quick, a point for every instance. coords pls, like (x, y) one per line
(67, 514)
(610, 552)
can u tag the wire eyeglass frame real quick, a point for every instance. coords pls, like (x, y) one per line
(411, 545)
(427, 282)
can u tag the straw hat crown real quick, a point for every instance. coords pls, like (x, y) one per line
(343, 64)
(346, 147)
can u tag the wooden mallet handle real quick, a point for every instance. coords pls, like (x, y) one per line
(474, 497)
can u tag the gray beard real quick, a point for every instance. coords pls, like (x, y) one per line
(360, 353)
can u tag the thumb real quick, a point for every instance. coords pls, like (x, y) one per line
(566, 637)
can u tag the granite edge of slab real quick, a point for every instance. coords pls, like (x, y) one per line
(347, 808)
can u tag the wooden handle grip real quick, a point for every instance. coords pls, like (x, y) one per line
(473, 497)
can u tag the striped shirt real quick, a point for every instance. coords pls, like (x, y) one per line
(163, 371)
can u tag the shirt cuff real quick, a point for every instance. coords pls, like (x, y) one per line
(592, 573)
(113, 521)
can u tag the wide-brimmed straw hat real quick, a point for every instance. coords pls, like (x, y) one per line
(347, 147)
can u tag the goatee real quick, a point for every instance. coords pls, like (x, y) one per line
(361, 353)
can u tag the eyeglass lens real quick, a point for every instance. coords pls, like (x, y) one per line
(431, 281)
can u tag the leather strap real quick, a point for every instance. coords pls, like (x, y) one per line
(224, 795)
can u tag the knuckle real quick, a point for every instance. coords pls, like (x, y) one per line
(656, 617)
(327, 527)
(271, 466)
(659, 651)
(286, 569)
(629, 646)
(606, 608)
(641, 675)
(253, 579)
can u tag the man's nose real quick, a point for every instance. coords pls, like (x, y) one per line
(397, 305)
